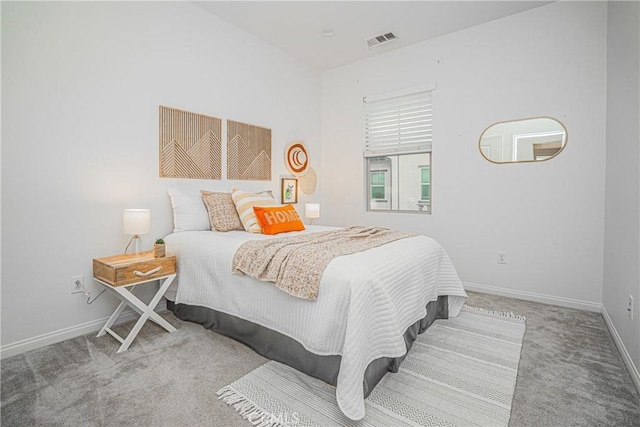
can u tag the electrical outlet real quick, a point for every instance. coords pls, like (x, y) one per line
(502, 257)
(630, 307)
(77, 284)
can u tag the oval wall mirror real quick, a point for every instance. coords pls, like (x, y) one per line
(524, 140)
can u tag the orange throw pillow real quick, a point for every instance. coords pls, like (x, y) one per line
(278, 219)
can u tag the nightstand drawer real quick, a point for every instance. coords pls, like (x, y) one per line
(120, 270)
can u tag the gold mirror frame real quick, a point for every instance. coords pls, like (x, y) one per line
(534, 139)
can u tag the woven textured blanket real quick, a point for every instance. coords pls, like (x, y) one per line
(295, 264)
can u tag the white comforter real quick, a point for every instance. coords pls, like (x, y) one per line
(365, 303)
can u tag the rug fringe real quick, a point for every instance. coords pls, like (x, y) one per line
(508, 315)
(249, 410)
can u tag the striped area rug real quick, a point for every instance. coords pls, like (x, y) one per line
(460, 372)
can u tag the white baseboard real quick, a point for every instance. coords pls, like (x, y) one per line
(532, 296)
(626, 358)
(67, 333)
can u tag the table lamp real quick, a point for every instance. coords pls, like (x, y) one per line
(312, 211)
(136, 222)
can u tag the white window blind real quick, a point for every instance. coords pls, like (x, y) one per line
(398, 125)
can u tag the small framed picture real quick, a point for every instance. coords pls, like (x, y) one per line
(289, 190)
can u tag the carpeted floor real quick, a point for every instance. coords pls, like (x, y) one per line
(570, 374)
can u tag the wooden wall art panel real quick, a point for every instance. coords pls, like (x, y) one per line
(248, 152)
(190, 145)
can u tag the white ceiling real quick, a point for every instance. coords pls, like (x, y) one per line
(296, 26)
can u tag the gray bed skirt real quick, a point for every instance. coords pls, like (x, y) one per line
(276, 346)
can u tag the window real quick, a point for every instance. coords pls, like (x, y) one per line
(425, 188)
(378, 188)
(425, 185)
(398, 152)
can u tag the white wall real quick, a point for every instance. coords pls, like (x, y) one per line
(82, 82)
(547, 216)
(622, 213)
(81, 87)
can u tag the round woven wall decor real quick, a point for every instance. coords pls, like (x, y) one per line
(297, 158)
(308, 182)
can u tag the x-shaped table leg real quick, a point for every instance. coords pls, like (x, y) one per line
(144, 310)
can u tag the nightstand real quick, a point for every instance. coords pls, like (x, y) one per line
(120, 274)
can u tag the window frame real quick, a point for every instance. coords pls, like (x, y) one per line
(405, 129)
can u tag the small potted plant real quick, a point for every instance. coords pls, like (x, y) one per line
(158, 249)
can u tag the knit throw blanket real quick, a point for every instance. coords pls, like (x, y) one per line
(295, 264)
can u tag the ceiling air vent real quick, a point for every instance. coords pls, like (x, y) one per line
(380, 40)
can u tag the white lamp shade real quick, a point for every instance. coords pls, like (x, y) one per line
(312, 210)
(136, 221)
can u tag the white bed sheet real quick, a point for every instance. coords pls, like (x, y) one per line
(365, 303)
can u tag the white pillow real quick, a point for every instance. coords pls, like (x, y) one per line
(189, 211)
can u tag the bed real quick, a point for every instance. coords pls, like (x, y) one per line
(370, 306)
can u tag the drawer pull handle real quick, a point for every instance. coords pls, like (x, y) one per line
(148, 273)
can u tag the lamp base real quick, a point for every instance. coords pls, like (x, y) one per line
(136, 245)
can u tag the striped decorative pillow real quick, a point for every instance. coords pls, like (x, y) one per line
(245, 202)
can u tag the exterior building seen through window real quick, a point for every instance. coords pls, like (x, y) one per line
(400, 183)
